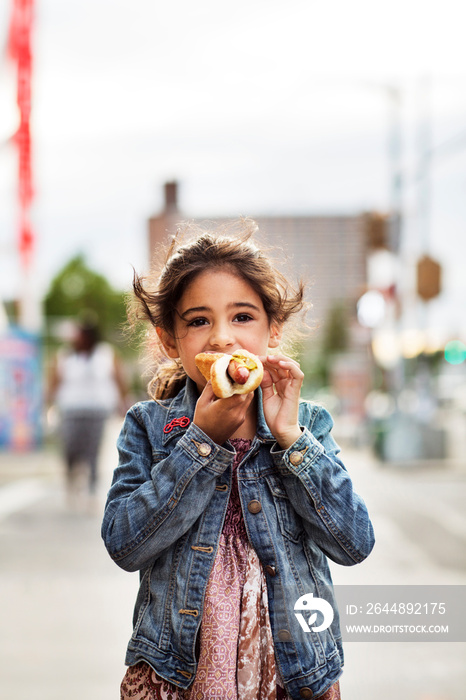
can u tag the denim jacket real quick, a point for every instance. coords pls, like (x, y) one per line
(164, 515)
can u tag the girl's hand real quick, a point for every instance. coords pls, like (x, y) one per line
(281, 387)
(221, 418)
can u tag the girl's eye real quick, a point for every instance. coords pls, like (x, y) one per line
(196, 322)
(243, 318)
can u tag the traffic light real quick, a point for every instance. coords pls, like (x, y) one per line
(429, 273)
(376, 230)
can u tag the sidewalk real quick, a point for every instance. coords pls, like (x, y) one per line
(40, 463)
(66, 608)
(25, 477)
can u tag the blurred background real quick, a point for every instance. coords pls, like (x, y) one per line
(341, 129)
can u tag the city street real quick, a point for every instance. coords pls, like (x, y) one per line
(420, 527)
(66, 608)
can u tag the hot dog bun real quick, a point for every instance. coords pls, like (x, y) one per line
(205, 360)
(214, 367)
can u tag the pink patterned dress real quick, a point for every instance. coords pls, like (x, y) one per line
(236, 660)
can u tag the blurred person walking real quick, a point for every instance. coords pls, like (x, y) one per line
(87, 386)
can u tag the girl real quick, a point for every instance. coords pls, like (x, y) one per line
(230, 507)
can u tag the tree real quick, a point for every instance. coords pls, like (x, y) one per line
(316, 362)
(77, 290)
(336, 330)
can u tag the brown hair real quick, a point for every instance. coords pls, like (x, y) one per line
(157, 295)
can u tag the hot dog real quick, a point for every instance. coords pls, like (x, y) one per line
(239, 373)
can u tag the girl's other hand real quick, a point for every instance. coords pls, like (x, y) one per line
(281, 388)
(221, 418)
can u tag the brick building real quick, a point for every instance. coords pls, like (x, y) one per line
(329, 252)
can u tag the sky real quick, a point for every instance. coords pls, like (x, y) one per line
(256, 107)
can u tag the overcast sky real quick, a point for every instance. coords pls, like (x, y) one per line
(255, 107)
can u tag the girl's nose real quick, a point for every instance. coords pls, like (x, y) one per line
(221, 337)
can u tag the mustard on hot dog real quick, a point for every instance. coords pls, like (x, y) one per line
(238, 373)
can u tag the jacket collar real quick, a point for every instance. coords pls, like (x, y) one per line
(183, 405)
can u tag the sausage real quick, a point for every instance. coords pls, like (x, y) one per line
(238, 372)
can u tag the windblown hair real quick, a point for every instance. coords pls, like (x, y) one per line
(228, 247)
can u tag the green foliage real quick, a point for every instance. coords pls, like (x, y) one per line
(431, 362)
(78, 290)
(316, 359)
(315, 368)
(336, 330)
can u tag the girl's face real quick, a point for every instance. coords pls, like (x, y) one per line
(218, 312)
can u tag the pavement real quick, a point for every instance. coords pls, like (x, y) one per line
(66, 608)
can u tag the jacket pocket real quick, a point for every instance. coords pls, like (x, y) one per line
(289, 521)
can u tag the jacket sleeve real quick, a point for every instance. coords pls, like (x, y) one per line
(156, 497)
(321, 492)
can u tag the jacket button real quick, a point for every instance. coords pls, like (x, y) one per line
(306, 693)
(270, 570)
(254, 506)
(296, 458)
(204, 449)
(284, 635)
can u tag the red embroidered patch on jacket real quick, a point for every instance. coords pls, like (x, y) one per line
(183, 422)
